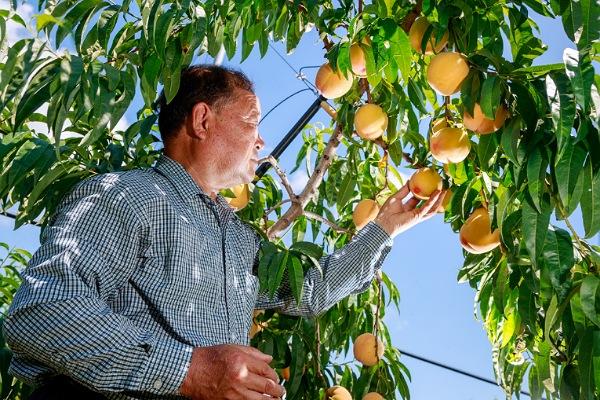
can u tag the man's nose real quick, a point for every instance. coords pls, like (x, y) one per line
(260, 143)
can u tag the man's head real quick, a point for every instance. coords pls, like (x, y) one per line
(211, 126)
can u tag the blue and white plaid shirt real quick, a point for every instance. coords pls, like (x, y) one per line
(137, 268)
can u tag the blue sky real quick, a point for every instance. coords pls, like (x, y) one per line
(436, 318)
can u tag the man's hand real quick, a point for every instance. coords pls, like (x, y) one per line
(230, 371)
(396, 217)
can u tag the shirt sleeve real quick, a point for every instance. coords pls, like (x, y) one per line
(348, 270)
(60, 316)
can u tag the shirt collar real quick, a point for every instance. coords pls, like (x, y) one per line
(182, 180)
(179, 177)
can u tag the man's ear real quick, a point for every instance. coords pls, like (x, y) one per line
(199, 120)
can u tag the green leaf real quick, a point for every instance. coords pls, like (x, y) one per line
(562, 106)
(508, 327)
(491, 94)
(581, 74)
(559, 259)
(44, 20)
(308, 248)
(268, 251)
(536, 176)
(296, 277)
(402, 53)
(535, 227)
(416, 96)
(486, 148)
(586, 365)
(296, 367)
(590, 200)
(581, 20)
(346, 190)
(568, 173)
(538, 70)
(590, 298)
(277, 268)
(511, 135)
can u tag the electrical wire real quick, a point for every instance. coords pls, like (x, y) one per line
(281, 102)
(299, 74)
(456, 370)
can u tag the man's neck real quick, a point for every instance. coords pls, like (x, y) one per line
(199, 170)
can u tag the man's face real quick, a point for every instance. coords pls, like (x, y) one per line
(234, 137)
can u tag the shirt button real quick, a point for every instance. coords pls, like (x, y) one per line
(157, 384)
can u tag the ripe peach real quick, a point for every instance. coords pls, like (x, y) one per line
(242, 196)
(424, 182)
(338, 393)
(332, 84)
(415, 35)
(446, 72)
(364, 349)
(476, 236)
(357, 59)
(479, 123)
(373, 396)
(365, 212)
(370, 121)
(450, 145)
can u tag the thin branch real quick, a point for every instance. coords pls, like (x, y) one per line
(276, 206)
(318, 217)
(310, 191)
(284, 180)
(365, 86)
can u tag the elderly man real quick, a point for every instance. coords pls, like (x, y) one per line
(143, 286)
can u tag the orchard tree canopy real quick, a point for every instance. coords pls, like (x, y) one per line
(513, 141)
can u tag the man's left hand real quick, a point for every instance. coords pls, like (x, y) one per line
(397, 216)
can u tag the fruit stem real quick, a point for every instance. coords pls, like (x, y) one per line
(446, 106)
(365, 85)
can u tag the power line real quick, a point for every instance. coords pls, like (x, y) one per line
(281, 102)
(456, 370)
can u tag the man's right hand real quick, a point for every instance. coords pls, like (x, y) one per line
(230, 371)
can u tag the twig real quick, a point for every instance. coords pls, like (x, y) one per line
(318, 333)
(284, 180)
(376, 330)
(318, 217)
(310, 191)
(276, 206)
(365, 85)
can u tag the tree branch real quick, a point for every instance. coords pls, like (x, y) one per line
(284, 180)
(310, 191)
(318, 217)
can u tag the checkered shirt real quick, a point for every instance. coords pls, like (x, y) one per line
(137, 268)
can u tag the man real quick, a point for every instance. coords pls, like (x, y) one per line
(143, 286)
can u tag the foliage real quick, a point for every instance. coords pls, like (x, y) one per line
(14, 261)
(538, 294)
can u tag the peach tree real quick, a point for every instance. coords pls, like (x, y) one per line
(514, 143)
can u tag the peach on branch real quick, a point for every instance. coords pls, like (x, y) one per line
(242, 196)
(365, 211)
(364, 349)
(370, 121)
(476, 235)
(424, 182)
(482, 125)
(446, 72)
(338, 393)
(449, 145)
(416, 33)
(332, 84)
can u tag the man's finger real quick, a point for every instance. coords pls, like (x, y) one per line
(411, 203)
(433, 200)
(263, 385)
(253, 352)
(402, 192)
(261, 368)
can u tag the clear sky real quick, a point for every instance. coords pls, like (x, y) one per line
(436, 313)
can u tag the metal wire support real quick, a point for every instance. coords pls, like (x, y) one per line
(290, 136)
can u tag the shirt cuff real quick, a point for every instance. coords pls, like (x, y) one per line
(376, 237)
(166, 368)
